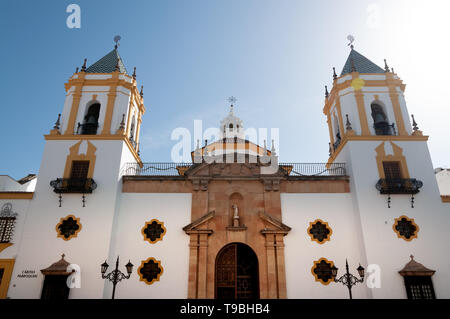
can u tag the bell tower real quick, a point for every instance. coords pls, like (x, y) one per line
(386, 157)
(94, 137)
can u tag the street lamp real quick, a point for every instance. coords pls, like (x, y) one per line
(116, 275)
(348, 279)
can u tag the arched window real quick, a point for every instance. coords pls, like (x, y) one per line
(133, 124)
(231, 126)
(380, 120)
(90, 122)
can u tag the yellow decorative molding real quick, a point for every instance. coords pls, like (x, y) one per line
(8, 266)
(316, 278)
(16, 195)
(397, 157)
(74, 156)
(3, 246)
(141, 276)
(445, 198)
(315, 239)
(396, 220)
(349, 137)
(58, 232)
(157, 239)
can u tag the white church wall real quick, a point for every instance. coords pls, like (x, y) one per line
(298, 210)
(443, 180)
(40, 246)
(382, 245)
(173, 251)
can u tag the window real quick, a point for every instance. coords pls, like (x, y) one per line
(321, 271)
(80, 170)
(153, 231)
(405, 228)
(419, 287)
(150, 270)
(319, 231)
(68, 227)
(7, 223)
(90, 123)
(392, 170)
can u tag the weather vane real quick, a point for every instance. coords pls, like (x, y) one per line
(232, 100)
(351, 39)
(117, 39)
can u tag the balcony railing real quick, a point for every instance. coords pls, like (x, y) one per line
(73, 185)
(399, 186)
(87, 128)
(292, 169)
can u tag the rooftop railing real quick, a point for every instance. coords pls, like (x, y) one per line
(178, 169)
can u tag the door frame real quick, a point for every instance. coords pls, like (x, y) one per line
(8, 265)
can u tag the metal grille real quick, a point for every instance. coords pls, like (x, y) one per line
(153, 231)
(79, 169)
(323, 271)
(319, 231)
(150, 270)
(7, 223)
(292, 169)
(419, 287)
(392, 170)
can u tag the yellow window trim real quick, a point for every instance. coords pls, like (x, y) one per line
(74, 156)
(316, 278)
(77, 220)
(397, 157)
(8, 265)
(143, 262)
(157, 239)
(3, 246)
(396, 220)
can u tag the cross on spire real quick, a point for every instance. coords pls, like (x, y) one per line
(232, 100)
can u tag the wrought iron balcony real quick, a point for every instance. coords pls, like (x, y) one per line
(383, 128)
(87, 128)
(73, 185)
(399, 186)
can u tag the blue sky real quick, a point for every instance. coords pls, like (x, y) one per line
(274, 56)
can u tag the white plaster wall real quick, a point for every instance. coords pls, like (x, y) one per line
(121, 106)
(298, 210)
(443, 180)
(381, 243)
(173, 251)
(349, 106)
(40, 246)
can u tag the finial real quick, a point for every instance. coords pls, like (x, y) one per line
(56, 127)
(206, 142)
(83, 68)
(386, 67)
(329, 149)
(353, 65)
(232, 100)
(142, 91)
(392, 70)
(63, 255)
(265, 147)
(334, 74)
(134, 73)
(351, 39)
(117, 39)
(76, 70)
(198, 143)
(348, 126)
(415, 127)
(411, 256)
(122, 124)
(326, 92)
(273, 149)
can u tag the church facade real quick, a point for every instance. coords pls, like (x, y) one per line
(235, 223)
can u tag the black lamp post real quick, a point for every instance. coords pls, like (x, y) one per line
(348, 279)
(116, 275)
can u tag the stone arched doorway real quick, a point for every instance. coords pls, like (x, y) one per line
(237, 274)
